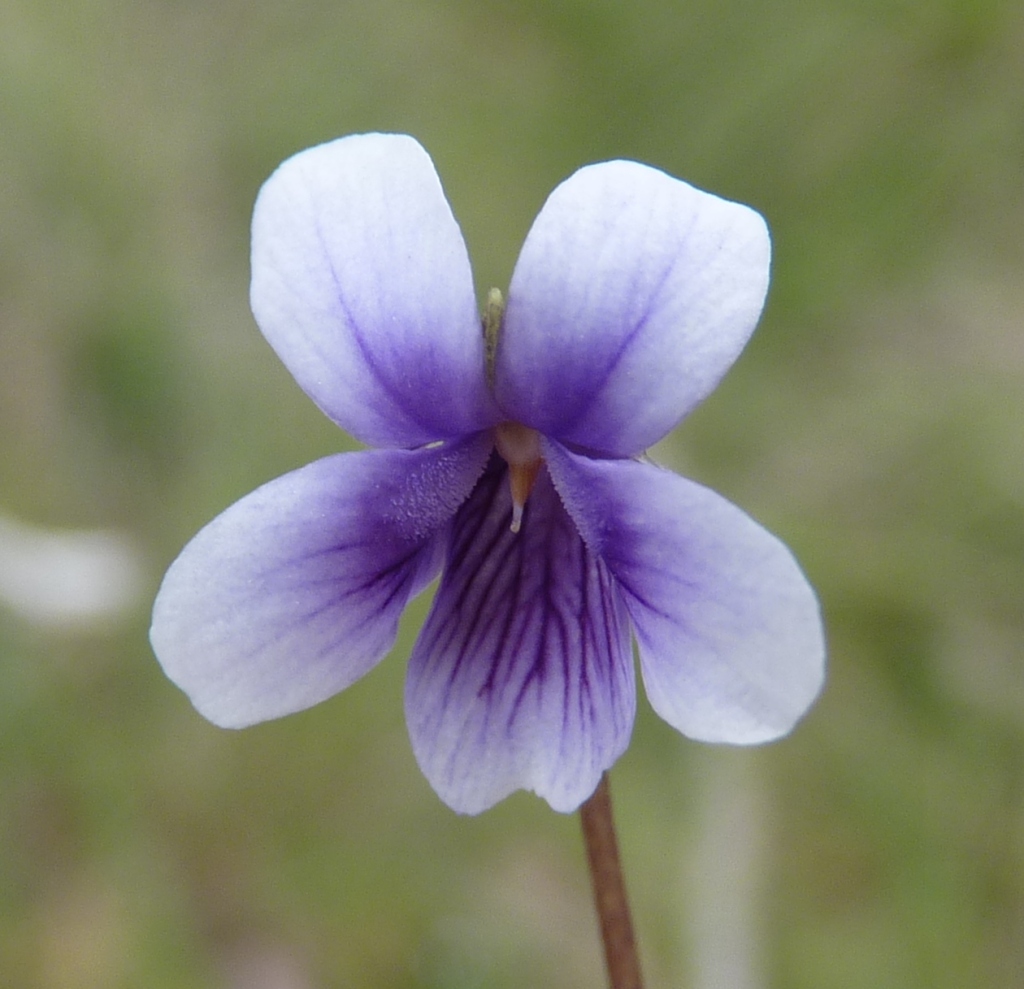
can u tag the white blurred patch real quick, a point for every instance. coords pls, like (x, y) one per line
(726, 878)
(67, 577)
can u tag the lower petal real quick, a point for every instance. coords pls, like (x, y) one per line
(522, 677)
(730, 633)
(295, 591)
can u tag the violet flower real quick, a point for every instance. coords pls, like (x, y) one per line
(521, 480)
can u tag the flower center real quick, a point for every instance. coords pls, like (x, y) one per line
(520, 447)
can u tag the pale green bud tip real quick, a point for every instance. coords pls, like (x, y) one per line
(494, 310)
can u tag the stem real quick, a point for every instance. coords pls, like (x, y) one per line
(610, 890)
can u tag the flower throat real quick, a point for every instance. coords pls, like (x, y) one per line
(518, 445)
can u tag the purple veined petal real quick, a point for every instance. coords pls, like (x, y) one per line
(362, 284)
(295, 591)
(633, 295)
(729, 630)
(522, 677)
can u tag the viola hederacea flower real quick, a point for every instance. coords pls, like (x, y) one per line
(518, 475)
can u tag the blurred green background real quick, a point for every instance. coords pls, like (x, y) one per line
(876, 422)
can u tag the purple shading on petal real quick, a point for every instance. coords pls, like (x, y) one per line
(362, 284)
(296, 591)
(522, 676)
(633, 295)
(729, 631)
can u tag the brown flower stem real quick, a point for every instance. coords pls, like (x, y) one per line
(610, 890)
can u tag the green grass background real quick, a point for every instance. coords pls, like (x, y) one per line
(876, 422)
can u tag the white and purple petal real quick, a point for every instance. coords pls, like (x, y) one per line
(522, 677)
(362, 284)
(729, 631)
(633, 294)
(295, 591)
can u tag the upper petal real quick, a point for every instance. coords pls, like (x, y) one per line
(730, 633)
(295, 591)
(362, 284)
(632, 296)
(522, 677)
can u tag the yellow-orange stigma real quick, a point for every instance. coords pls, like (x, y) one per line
(520, 447)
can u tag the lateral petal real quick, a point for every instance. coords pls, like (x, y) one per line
(522, 677)
(295, 591)
(362, 284)
(632, 296)
(729, 630)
